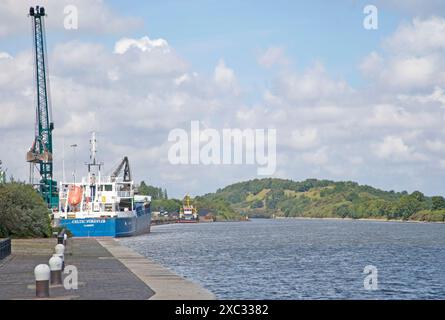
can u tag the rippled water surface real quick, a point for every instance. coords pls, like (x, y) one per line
(303, 259)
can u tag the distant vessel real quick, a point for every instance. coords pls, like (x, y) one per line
(103, 206)
(188, 213)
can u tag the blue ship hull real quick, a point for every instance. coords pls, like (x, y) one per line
(108, 227)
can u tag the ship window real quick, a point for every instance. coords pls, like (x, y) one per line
(108, 187)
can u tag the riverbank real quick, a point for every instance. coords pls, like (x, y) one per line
(360, 219)
(106, 271)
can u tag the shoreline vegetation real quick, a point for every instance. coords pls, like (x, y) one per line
(23, 214)
(312, 198)
(360, 219)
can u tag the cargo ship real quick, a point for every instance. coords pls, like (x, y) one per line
(188, 213)
(103, 206)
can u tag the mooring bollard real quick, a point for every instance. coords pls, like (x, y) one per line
(60, 252)
(55, 266)
(42, 275)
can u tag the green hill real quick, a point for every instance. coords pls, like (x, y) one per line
(324, 198)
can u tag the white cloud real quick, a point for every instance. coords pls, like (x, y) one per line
(182, 79)
(356, 160)
(412, 57)
(371, 64)
(437, 96)
(273, 56)
(304, 139)
(420, 37)
(143, 44)
(388, 115)
(5, 55)
(411, 72)
(225, 77)
(317, 158)
(435, 145)
(395, 149)
(313, 84)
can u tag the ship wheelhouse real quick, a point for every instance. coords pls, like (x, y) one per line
(104, 198)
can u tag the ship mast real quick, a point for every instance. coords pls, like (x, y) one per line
(93, 166)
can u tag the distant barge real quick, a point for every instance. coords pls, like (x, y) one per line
(188, 213)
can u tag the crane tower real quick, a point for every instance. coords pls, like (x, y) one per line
(40, 155)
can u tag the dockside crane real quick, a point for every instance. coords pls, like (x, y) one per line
(40, 155)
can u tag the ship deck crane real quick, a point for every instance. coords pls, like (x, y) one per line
(125, 164)
(40, 154)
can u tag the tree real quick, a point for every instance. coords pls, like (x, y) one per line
(170, 205)
(408, 205)
(23, 213)
(257, 204)
(154, 192)
(438, 202)
(419, 196)
(344, 211)
(352, 197)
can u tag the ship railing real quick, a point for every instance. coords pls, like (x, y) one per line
(124, 194)
(5, 248)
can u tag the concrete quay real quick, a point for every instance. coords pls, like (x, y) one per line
(165, 284)
(106, 271)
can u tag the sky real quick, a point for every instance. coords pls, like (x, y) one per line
(347, 103)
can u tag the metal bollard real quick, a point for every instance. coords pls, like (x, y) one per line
(42, 275)
(55, 266)
(60, 252)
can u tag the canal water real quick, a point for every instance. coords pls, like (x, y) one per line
(303, 259)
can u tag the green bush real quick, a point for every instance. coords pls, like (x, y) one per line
(429, 215)
(257, 204)
(23, 213)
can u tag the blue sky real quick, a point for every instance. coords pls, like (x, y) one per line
(204, 31)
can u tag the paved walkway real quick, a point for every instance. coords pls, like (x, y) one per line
(101, 276)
